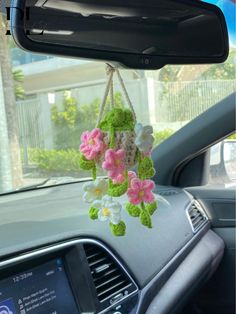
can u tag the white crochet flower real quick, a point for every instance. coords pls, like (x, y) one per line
(95, 190)
(108, 210)
(144, 139)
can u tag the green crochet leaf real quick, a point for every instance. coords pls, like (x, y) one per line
(119, 229)
(133, 210)
(145, 219)
(119, 119)
(146, 169)
(151, 207)
(129, 118)
(116, 117)
(86, 164)
(117, 190)
(94, 173)
(93, 213)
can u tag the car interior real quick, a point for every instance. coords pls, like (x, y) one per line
(172, 63)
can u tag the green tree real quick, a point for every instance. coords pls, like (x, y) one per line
(222, 71)
(69, 116)
(18, 78)
(170, 73)
(66, 123)
(75, 118)
(88, 115)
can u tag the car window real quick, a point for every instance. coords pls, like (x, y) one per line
(46, 102)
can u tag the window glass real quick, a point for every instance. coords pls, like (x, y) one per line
(46, 102)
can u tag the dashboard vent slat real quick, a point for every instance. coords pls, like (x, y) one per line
(109, 277)
(98, 261)
(102, 277)
(196, 216)
(115, 293)
(93, 255)
(107, 281)
(111, 288)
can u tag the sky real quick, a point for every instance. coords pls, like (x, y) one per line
(229, 9)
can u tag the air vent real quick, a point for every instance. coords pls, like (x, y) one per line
(197, 216)
(112, 282)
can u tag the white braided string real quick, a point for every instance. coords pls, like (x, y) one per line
(110, 88)
(125, 93)
(112, 94)
(110, 72)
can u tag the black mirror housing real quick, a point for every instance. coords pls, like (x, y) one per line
(136, 34)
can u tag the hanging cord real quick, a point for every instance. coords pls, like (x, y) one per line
(126, 93)
(110, 71)
(112, 94)
(110, 88)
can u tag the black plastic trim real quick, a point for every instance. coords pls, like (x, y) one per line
(67, 250)
(128, 60)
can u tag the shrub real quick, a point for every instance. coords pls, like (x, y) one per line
(66, 161)
(57, 162)
(161, 136)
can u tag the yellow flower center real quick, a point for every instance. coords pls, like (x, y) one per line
(141, 193)
(97, 191)
(106, 211)
(91, 142)
(117, 162)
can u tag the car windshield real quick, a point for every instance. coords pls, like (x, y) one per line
(47, 102)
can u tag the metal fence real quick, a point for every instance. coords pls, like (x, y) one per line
(183, 101)
(30, 121)
(175, 102)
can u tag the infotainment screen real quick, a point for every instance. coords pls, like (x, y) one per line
(41, 290)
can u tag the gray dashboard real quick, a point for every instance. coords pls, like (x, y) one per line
(37, 219)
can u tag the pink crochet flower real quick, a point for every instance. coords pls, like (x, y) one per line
(131, 175)
(115, 164)
(92, 144)
(141, 191)
(119, 179)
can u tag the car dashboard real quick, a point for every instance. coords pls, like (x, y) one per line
(53, 259)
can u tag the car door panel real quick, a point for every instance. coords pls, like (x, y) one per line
(219, 203)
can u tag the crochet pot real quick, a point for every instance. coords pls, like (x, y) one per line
(124, 140)
(117, 127)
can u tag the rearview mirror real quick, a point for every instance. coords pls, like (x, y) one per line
(144, 34)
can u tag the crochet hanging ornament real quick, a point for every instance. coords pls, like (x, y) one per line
(117, 144)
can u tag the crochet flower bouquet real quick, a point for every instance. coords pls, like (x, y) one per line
(116, 145)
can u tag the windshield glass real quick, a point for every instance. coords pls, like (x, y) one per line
(46, 102)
